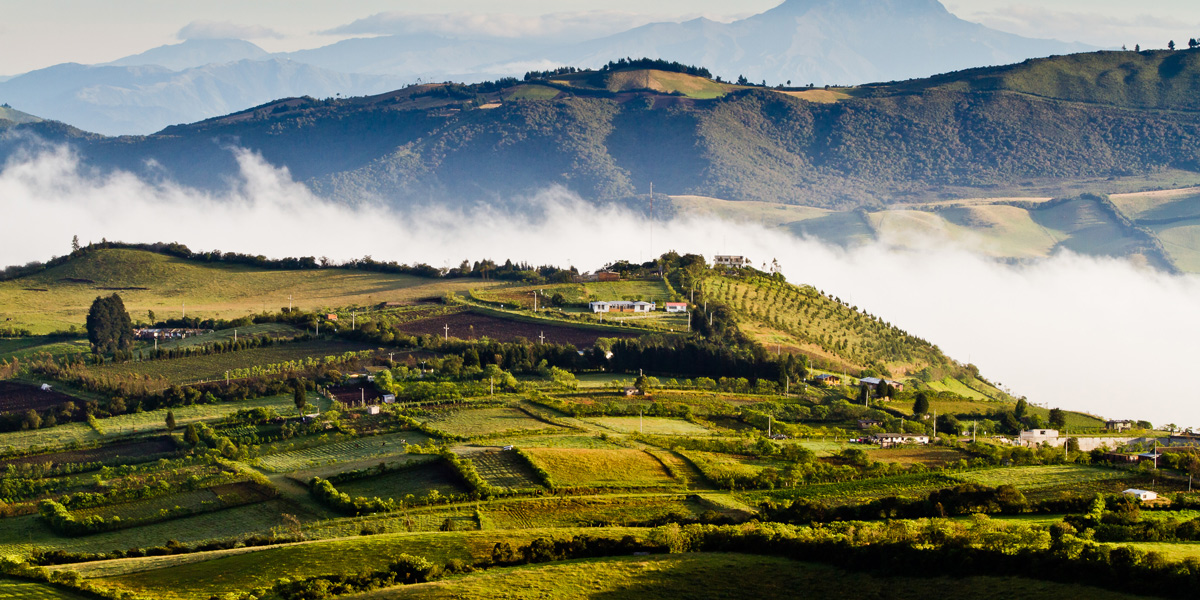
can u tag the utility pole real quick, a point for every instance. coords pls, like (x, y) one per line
(446, 327)
(770, 421)
(289, 303)
(787, 385)
(535, 301)
(185, 310)
(235, 336)
(353, 320)
(226, 378)
(491, 386)
(542, 337)
(640, 421)
(652, 220)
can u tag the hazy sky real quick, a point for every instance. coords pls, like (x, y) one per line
(36, 34)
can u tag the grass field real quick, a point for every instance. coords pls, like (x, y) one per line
(588, 511)
(208, 290)
(336, 452)
(14, 589)
(932, 456)
(504, 469)
(28, 347)
(719, 576)
(213, 367)
(484, 421)
(227, 571)
(417, 481)
(1043, 476)
(855, 492)
(591, 442)
(142, 422)
(650, 425)
(601, 468)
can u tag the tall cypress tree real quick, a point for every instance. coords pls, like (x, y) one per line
(109, 326)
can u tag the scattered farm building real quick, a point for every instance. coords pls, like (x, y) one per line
(389, 398)
(166, 333)
(1033, 437)
(868, 423)
(729, 260)
(828, 379)
(892, 439)
(46, 387)
(874, 382)
(373, 410)
(1143, 495)
(331, 316)
(631, 391)
(608, 276)
(1123, 425)
(638, 306)
(676, 307)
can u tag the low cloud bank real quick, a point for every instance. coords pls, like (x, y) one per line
(1097, 335)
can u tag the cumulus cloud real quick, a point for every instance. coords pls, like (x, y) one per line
(1103, 29)
(1097, 335)
(220, 30)
(553, 26)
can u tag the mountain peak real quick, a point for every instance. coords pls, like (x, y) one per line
(194, 53)
(908, 8)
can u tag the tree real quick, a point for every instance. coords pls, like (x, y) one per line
(1021, 408)
(32, 420)
(150, 314)
(299, 394)
(1192, 43)
(74, 243)
(642, 383)
(1171, 45)
(1058, 418)
(921, 405)
(108, 325)
(170, 420)
(1137, 47)
(190, 435)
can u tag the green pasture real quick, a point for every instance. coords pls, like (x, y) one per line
(285, 457)
(590, 510)
(484, 421)
(16, 589)
(1041, 476)
(208, 290)
(572, 467)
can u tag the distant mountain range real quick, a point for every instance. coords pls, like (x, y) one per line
(801, 41)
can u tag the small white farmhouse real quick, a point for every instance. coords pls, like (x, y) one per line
(1142, 495)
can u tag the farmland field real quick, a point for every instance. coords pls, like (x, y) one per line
(593, 442)
(417, 480)
(650, 425)
(922, 455)
(720, 575)
(589, 511)
(15, 589)
(246, 570)
(339, 452)
(504, 469)
(28, 347)
(473, 326)
(128, 450)
(272, 330)
(854, 492)
(210, 290)
(20, 397)
(202, 500)
(484, 421)
(601, 468)
(1042, 476)
(212, 367)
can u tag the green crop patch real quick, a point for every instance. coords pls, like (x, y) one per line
(212, 367)
(504, 469)
(590, 511)
(1045, 476)
(15, 589)
(244, 571)
(650, 425)
(282, 459)
(485, 421)
(915, 485)
(720, 575)
(623, 468)
(413, 480)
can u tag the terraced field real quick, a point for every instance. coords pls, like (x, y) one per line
(601, 468)
(650, 425)
(485, 421)
(345, 451)
(504, 469)
(417, 481)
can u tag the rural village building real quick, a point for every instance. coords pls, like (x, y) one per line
(675, 307)
(728, 260)
(868, 423)
(1143, 495)
(891, 439)
(151, 333)
(874, 381)
(622, 306)
(828, 379)
(1035, 437)
(1122, 425)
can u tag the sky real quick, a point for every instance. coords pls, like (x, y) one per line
(39, 34)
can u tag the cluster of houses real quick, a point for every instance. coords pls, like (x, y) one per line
(166, 334)
(835, 380)
(634, 306)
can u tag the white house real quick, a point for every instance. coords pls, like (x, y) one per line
(729, 260)
(622, 306)
(372, 410)
(892, 439)
(1142, 495)
(676, 307)
(1034, 437)
(45, 387)
(389, 398)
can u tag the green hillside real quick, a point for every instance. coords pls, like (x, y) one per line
(1158, 79)
(60, 297)
(12, 116)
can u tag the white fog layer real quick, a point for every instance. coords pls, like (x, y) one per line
(1097, 335)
